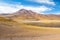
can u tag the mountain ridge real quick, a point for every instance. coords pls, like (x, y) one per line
(30, 15)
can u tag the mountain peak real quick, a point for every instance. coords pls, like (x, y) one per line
(22, 10)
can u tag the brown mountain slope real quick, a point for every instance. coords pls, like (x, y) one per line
(30, 15)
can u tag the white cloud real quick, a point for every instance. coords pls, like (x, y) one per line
(10, 8)
(44, 1)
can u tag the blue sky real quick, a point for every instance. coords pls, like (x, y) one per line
(39, 6)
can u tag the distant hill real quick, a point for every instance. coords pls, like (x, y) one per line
(24, 14)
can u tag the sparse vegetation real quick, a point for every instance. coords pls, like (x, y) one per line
(11, 28)
(14, 27)
(52, 24)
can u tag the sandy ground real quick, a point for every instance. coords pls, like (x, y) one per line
(29, 32)
(46, 37)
